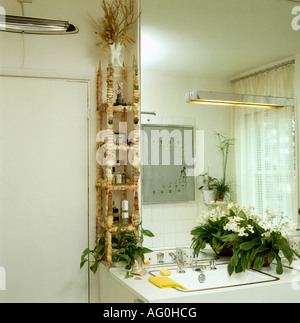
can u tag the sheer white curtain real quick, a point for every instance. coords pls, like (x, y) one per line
(265, 146)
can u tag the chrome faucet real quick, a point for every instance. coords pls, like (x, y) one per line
(173, 256)
(177, 261)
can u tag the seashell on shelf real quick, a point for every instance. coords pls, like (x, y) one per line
(137, 268)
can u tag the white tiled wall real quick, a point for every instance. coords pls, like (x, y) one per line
(170, 223)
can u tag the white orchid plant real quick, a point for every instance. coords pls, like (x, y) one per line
(255, 239)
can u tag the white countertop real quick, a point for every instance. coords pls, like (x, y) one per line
(286, 289)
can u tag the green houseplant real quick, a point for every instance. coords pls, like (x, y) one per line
(255, 241)
(207, 182)
(210, 229)
(222, 186)
(224, 146)
(258, 241)
(127, 247)
(207, 187)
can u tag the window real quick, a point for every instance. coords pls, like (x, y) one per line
(265, 159)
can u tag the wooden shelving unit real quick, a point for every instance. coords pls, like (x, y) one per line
(107, 114)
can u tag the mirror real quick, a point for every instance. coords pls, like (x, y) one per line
(202, 45)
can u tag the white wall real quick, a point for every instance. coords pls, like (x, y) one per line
(64, 56)
(164, 93)
(60, 54)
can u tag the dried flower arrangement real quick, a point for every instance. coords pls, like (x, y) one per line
(118, 17)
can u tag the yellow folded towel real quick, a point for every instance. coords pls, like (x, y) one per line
(164, 282)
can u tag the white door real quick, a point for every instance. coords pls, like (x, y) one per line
(43, 189)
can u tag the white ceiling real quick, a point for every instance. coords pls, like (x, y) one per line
(216, 38)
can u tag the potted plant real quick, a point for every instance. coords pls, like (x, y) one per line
(127, 247)
(222, 186)
(210, 229)
(256, 242)
(209, 194)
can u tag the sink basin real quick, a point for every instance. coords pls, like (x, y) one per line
(215, 279)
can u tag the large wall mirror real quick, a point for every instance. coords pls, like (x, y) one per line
(203, 45)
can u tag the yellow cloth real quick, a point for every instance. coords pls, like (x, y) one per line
(164, 282)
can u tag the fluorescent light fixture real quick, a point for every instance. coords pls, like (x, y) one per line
(36, 25)
(230, 99)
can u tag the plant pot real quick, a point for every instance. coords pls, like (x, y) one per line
(223, 197)
(220, 197)
(266, 261)
(226, 251)
(209, 195)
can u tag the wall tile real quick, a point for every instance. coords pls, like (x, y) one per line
(170, 223)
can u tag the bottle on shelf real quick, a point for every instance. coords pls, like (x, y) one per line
(125, 213)
(114, 175)
(116, 215)
(122, 163)
(118, 175)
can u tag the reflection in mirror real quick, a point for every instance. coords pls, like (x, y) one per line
(244, 47)
(168, 173)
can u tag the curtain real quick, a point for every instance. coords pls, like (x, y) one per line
(265, 145)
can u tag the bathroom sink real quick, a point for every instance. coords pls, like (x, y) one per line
(215, 279)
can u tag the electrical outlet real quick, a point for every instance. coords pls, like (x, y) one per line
(25, 1)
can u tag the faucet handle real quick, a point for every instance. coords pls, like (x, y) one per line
(180, 268)
(160, 257)
(212, 264)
